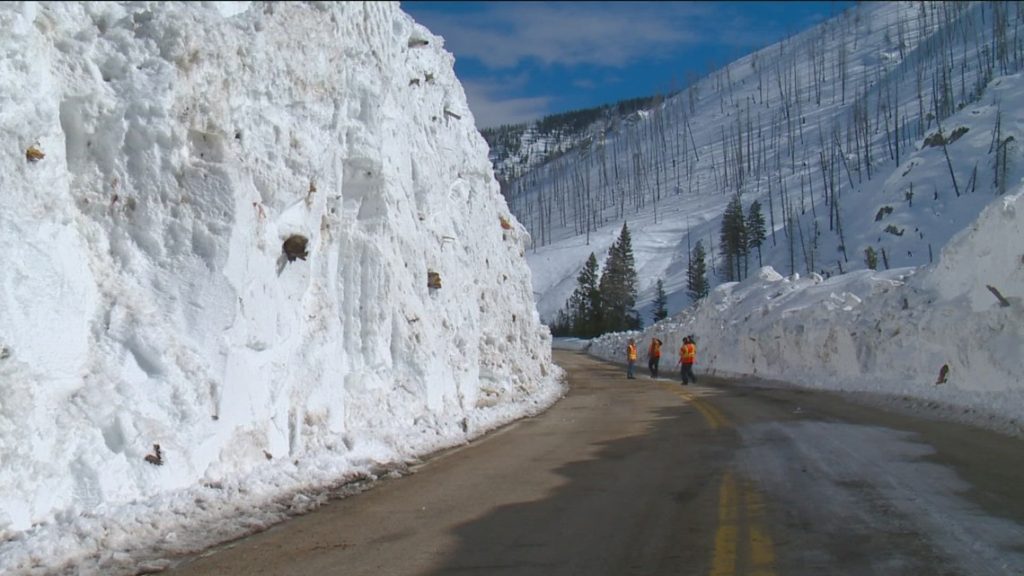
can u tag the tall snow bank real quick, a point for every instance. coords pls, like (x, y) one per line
(889, 332)
(146, 293)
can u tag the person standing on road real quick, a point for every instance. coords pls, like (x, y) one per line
(687, 358)
(654, 357)
(631, 359)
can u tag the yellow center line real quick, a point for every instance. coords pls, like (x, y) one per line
(714, 417)
(740, 508)
(759, 548)
(762, 550)
(723, 562)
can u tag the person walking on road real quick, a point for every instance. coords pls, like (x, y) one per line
(631, 359)
(687, 358)
(654, 357)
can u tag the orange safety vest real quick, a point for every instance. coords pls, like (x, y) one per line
(688, 353)
(631, 351)
(655, 348)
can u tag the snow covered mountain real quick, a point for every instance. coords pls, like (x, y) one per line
(834, 131)
(249, 250)
(519, 148)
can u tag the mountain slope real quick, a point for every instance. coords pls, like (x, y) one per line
(834, 132)
(518, 148)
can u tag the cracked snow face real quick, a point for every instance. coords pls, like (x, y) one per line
(215, 231)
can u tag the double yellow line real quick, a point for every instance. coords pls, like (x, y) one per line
(715, 418)
(741, 512)
(734, 499)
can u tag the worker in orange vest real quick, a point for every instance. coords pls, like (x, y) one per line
(654, 357)
(631, 359)
(687, 358)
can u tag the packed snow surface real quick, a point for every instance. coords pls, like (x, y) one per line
(249, 251)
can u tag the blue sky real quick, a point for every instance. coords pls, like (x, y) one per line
(520, 61)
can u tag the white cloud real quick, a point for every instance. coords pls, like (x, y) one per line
(584, 83)
(490, 109)
(605, 34)
(502, 35)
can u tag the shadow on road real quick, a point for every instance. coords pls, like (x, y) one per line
(627, 509)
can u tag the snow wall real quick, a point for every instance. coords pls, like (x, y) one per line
(887, 332)
(156, 158)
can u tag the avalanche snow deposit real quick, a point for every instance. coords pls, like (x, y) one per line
(244, 241)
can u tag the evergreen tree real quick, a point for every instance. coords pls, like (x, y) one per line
(660, 302)
(562, 325)
(618, 286)
(871, 258)
(696, 275)
(733, 240)
(584, 306)
(755, 229)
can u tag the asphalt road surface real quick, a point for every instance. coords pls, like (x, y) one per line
(648, 477)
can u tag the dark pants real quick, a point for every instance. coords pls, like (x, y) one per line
(687, 374)
(652, 365)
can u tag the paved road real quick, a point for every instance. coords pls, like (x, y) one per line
(647, 477)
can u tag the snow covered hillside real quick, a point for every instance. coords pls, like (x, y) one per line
(893, 130)
(248, 251)
(834, 131)
(937, 336)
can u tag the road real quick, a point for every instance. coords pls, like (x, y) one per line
(648, 477)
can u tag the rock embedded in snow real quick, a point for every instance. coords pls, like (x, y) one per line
(141, 298)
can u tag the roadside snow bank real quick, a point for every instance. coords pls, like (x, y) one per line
(889, 332)
(266, 239)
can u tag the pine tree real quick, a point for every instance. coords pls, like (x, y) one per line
(585, 303)
(618, 286)
(755, 229)
(660, 302)
(562, 325)
(696, 275)
(871, 258)
(733, 240)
